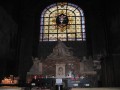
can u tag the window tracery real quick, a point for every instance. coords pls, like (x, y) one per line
(64, 21)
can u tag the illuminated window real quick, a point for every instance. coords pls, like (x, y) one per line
(64, 21)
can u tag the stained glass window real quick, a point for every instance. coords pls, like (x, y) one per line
(64, 21)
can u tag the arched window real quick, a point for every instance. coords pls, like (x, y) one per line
(64, 21)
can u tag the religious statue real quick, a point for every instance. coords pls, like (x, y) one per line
(61, 50)
(37, 66)
(88, 64)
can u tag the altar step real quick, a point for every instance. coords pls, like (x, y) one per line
(109, 88)
(39, 88)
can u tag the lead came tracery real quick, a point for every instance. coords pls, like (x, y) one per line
(64, 21)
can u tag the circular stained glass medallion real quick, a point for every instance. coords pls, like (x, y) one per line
(62, 20)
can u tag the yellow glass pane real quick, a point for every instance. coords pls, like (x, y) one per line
(47, 13)
(78, 35)
(52, 9)
(78, 26)
(71, 20)
(78, 20)
(52, 36)
(71, 8)
(52, 27)
(46, 19)
(62, 5)
(46, 23)
(61, 29)
(71, 35)
(52, 21)
(61, 36)
(77, 13)
(71, 30)
(46, 27)
(54, 14)
(52, 31)
(62, 12)
(63, 39)
(59, 6)
(72, 26)
(46, 31)
(70, 13)
(78, 29)
(45, 35)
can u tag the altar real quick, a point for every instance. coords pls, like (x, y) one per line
(61, 63)
(60, 58)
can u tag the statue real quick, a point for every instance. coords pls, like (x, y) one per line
(60, 50)
(36, 65)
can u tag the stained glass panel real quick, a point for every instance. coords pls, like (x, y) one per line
(77, 13)
(71, 20)
(83, 22)
(69, 13)
(41, 29)
(84, 35)
(61, 36)
(63, 30)
(52, 21)
(53, 9)
(83, 26)
(46, 22)
(47, 14)
(46, 19)
(53, 14)
(64, 21)
(52, 36)
(45, 36)
(71, 8)
(46, 28)
(78, 35)
(45, 31)
(41, 21)
(83, 29)
(52, 27)
(71, 30)
(71, 35)
(78, 20)
(62, 11)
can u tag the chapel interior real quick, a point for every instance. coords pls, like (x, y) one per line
(30, 45)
